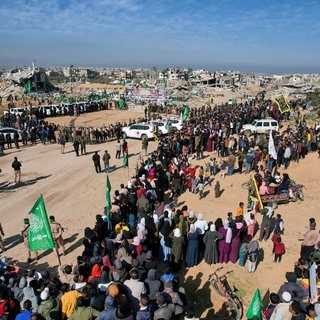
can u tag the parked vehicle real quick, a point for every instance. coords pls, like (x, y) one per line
(177, 123)
(12, 131)
(16, 111)
(260, 126)
(139, 131)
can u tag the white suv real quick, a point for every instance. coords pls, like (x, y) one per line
(138, 131)
(260, 126)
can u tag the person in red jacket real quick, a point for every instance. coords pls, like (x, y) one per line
(279, 249)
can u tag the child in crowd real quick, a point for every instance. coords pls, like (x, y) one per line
(279, 249)
(278, 224)
(206, 178)
(200, 187)
(274, 300)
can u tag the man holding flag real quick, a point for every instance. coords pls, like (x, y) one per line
(39, 235)
(24, 234)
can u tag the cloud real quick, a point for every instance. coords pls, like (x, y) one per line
(137, 30)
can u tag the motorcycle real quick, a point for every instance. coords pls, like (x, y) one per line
(296, 192)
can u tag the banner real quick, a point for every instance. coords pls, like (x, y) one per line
(255, 307)
(282, 104)
(271, 148)
(39, 234)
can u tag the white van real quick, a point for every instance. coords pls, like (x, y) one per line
(260, 126)
(16, 111)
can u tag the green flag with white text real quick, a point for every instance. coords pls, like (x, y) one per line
(255, 308)
(39, 234)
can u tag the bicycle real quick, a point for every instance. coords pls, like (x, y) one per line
(221, 286)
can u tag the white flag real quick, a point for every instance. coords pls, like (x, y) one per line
(271, 148)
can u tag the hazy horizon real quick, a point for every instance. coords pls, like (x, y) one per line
(248, 36)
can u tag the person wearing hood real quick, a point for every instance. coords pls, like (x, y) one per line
(210, 240)
(193, 246)
(109, 313)
(225, 242)
(191, 218)
(153, 285)
(95, 276)
(253, 254)
(28, 294)
(177, 246)
(47, 304)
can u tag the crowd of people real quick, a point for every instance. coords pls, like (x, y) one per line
(118, 275)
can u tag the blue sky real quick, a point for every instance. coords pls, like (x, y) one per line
(248, 35)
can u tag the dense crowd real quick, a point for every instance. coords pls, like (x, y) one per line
(118, 275)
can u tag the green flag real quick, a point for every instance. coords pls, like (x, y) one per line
(185, 113)
(39, 234)
(121, 104)
(255, 307)
(125, 160)
(108, 198)
(28, 86)
(126, 157)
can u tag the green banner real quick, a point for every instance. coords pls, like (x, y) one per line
(39, 234)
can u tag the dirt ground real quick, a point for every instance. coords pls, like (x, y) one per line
(74, 193)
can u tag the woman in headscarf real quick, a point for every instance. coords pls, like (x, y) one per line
(224, 245)
(210, 240)
(165, 240)
(238, 231)
(202, 225)
(95, 276)
(135, 248)
(142, 231)
(177, 246)
(106, 264)
(191, 218)
(193, 246)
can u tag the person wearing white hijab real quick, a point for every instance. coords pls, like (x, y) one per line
(177, 246)
(201, 223)
(210, 240)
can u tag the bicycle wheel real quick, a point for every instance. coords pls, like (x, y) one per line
(217, 288)
(236, 307)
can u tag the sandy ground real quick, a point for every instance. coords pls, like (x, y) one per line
(74, 193)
